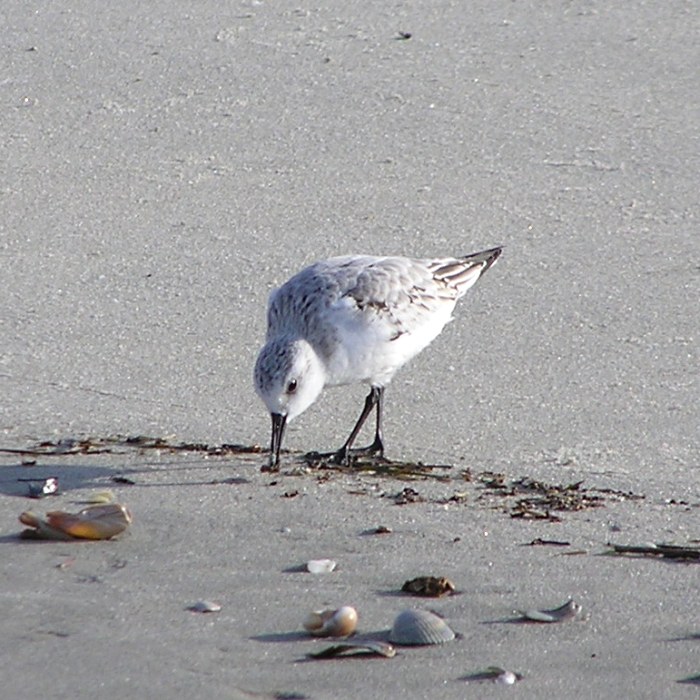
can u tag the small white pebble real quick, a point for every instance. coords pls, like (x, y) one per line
(506, 678)
(320, 566)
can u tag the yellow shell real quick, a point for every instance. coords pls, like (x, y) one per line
(332, 623)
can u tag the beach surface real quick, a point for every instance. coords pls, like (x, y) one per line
(164, 167)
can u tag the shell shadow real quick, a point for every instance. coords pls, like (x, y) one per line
(16, 478)
(277, 637)
(297, 636)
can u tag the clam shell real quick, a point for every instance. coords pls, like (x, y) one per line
(419, 627)
(332, 623)
(92, 523)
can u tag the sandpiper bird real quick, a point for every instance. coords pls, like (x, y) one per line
(355, 318)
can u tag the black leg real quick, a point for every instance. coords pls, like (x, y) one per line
(377, 447)
(374, 398)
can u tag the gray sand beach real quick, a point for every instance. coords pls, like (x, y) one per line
(164, 166)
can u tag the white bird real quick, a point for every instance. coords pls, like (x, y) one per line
(355, 318)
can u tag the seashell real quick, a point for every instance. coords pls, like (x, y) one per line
(568, 611)
(429, 586)
(496, 675)
(92, 523)
(205, 606)
(507, 678)
(101, 497)
(40, 528)
(320, 566)
(332, 623)
(419, 627)
(39, 489)
(368, 647)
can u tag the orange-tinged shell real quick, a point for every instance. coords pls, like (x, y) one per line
(28, 518)
(41, 529)
(332, 623)
(92, 523)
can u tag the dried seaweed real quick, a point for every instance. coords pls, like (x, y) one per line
(665, 551)
(407, 495)
(525, 498)
(121, 443)
(375, 466)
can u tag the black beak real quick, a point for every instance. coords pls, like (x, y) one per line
(279, 421)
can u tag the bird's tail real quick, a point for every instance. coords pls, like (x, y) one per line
(462, 273)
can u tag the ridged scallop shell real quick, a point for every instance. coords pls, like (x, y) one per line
(419, 627)
(332, 623)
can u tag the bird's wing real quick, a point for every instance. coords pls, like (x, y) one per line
(397, 293)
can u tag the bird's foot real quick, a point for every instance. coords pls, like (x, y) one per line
(346, 456)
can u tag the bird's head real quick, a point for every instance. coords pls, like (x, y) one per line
(289, 376)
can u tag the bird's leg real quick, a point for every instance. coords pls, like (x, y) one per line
(374, 398)
(377, 446)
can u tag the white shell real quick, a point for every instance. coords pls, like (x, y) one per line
(320, 566)
(568, 611)
(506, 678)
(205, 606)
(418, 627)
(332, 623)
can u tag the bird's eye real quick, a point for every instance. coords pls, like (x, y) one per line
(292, 386)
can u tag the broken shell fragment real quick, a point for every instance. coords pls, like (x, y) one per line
(332, 623)
(369, 647)
(419, 627)
(496, 675)
(320, 566)
(568, 611)
(507, 677)
(205, 606)
(92, 523)
(39, 489)
(101, 498)
(429, 586)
